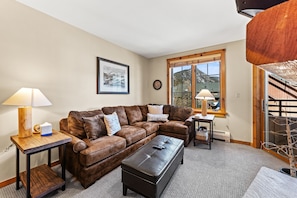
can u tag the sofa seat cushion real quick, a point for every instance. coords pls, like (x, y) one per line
(132, 134)
(174, 127)
(150, 127)
(101, 149)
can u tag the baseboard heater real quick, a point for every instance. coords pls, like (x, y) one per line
(221, 135)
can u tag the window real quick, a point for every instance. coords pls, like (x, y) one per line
(187, 75)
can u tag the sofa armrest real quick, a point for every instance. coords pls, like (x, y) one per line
(63, 124)
(189, 120)
(77, 144)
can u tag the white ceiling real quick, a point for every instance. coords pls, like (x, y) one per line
(151, 28)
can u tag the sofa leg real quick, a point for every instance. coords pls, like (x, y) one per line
(124, 190)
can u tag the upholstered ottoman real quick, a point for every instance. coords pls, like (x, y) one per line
(150, 168)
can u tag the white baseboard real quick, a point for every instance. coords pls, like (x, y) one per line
(221, 135)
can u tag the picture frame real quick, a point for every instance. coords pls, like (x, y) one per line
(112, 77)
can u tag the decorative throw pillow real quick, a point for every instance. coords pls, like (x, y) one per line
(94, 127)
(112, 123)
(120, 110)
(157, 117)
(155, 109)
(76, 123)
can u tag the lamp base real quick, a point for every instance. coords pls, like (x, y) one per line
(25, 122)
(204, 107)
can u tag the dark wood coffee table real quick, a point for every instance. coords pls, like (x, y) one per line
(150, 168)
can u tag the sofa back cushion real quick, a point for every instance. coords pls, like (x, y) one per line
(76, 123)
(167, 108)
(134, 114)
(120, 110)
(94, 127)
(144, 111)
(180, 113)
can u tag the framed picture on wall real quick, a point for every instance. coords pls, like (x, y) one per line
(112, 77)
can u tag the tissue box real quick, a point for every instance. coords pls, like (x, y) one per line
(46, 129)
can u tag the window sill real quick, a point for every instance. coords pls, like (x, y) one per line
(219, 114)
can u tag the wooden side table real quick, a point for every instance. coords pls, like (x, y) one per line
(208, 119)
(40, 180)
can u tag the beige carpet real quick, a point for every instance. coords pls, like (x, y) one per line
(226, 171)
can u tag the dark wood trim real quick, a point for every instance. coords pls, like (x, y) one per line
(168, 83)
(7, 182)
(193, 68)
(241, 142)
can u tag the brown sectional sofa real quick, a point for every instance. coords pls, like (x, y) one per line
(92, 153)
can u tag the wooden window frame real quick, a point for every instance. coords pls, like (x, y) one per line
(193, 60)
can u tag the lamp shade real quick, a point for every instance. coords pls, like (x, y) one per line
(205, 95)
(28, 97)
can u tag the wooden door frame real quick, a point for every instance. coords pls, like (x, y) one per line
(258, 114)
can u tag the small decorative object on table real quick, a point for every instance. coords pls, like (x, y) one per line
(44, 129)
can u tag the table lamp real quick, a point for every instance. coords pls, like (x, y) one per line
(26, 98)
(204, 95)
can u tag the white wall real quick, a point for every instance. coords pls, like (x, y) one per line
(238, 88)
(42, 52)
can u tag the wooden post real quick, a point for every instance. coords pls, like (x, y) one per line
(290, 150)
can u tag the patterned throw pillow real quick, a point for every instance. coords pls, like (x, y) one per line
(157, 117)
(112, 123)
